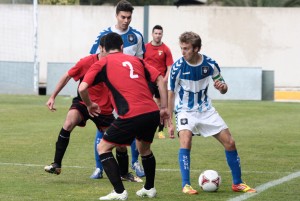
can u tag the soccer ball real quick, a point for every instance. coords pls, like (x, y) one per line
(209, 180)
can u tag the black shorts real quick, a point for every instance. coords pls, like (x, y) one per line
(154, 89)
(124, 131)
(101, 121)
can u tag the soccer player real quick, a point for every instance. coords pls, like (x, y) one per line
(78, 113)
(133, 45)
(127, 79)
(187, 97)
(159, 56)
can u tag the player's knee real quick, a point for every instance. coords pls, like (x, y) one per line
(68, 126)
(230, 145)
(145, 152)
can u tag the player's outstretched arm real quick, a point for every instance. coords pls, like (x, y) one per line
(60, 85)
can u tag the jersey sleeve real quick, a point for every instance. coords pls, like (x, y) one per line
(91, 75)
(140, 47)
(217, 73)
(76, 71)
(94, 48)
(173, 76)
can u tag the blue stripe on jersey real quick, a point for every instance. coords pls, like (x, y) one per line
(191, 100)
(200, 100)
(181, 92)
(190, 84)
(212, 62)
(97, 41)
(174, 73)
(139, 33)
(130, 38)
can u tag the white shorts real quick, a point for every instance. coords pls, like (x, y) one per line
(206, 123)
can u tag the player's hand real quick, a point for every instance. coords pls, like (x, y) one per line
(94, 109)
(50, 104)
(221, 86)
(171, 130)
(164, 116)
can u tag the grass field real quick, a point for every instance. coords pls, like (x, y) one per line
(266, 134)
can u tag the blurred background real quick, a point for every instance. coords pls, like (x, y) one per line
(256, 43)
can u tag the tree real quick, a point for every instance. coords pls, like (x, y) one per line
(244, 3)
(133, 2)
(57, 2)
(256, 3)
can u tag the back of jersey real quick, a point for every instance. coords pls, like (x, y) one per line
(126, 79)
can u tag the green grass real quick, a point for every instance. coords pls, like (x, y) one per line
(266, 134)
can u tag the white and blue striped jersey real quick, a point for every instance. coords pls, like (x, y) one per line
(190, 84)
(133, 41)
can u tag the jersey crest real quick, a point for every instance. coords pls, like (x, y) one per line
(205, 70)
(130, 38)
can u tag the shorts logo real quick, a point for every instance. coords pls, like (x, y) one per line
(205, 70)
(130, 38)
(184, 121)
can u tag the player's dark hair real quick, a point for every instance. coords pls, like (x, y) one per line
(113, 41)
(192, 38)
(102, 39)
(157, 27)
(124, 5)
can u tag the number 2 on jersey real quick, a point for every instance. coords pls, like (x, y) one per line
(132, 76)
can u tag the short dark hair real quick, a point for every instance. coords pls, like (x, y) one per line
(102, 39)
(157, 27)
(113, 41)
(124, 5)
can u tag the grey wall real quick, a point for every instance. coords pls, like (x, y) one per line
(16, 78)
(233, 36)
(55, 72)
(243, 84)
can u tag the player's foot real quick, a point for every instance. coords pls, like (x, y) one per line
(242, 187)
(161, 135)
(54, 168)
(130, 177)
(189, 190)
(97, 174)
(139, 170)
(115, 196)
(151, 193)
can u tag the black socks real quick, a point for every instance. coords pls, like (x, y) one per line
(61, 145)
(111, 169)
(149, 165)
(122, 158)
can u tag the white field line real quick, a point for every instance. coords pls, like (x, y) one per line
(266, 186)
(242, 197)
(35, 165)
(157, 169)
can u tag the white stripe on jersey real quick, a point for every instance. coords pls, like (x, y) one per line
(190, 84)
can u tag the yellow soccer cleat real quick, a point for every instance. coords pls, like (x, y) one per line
(187, 189)
(242, 187)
